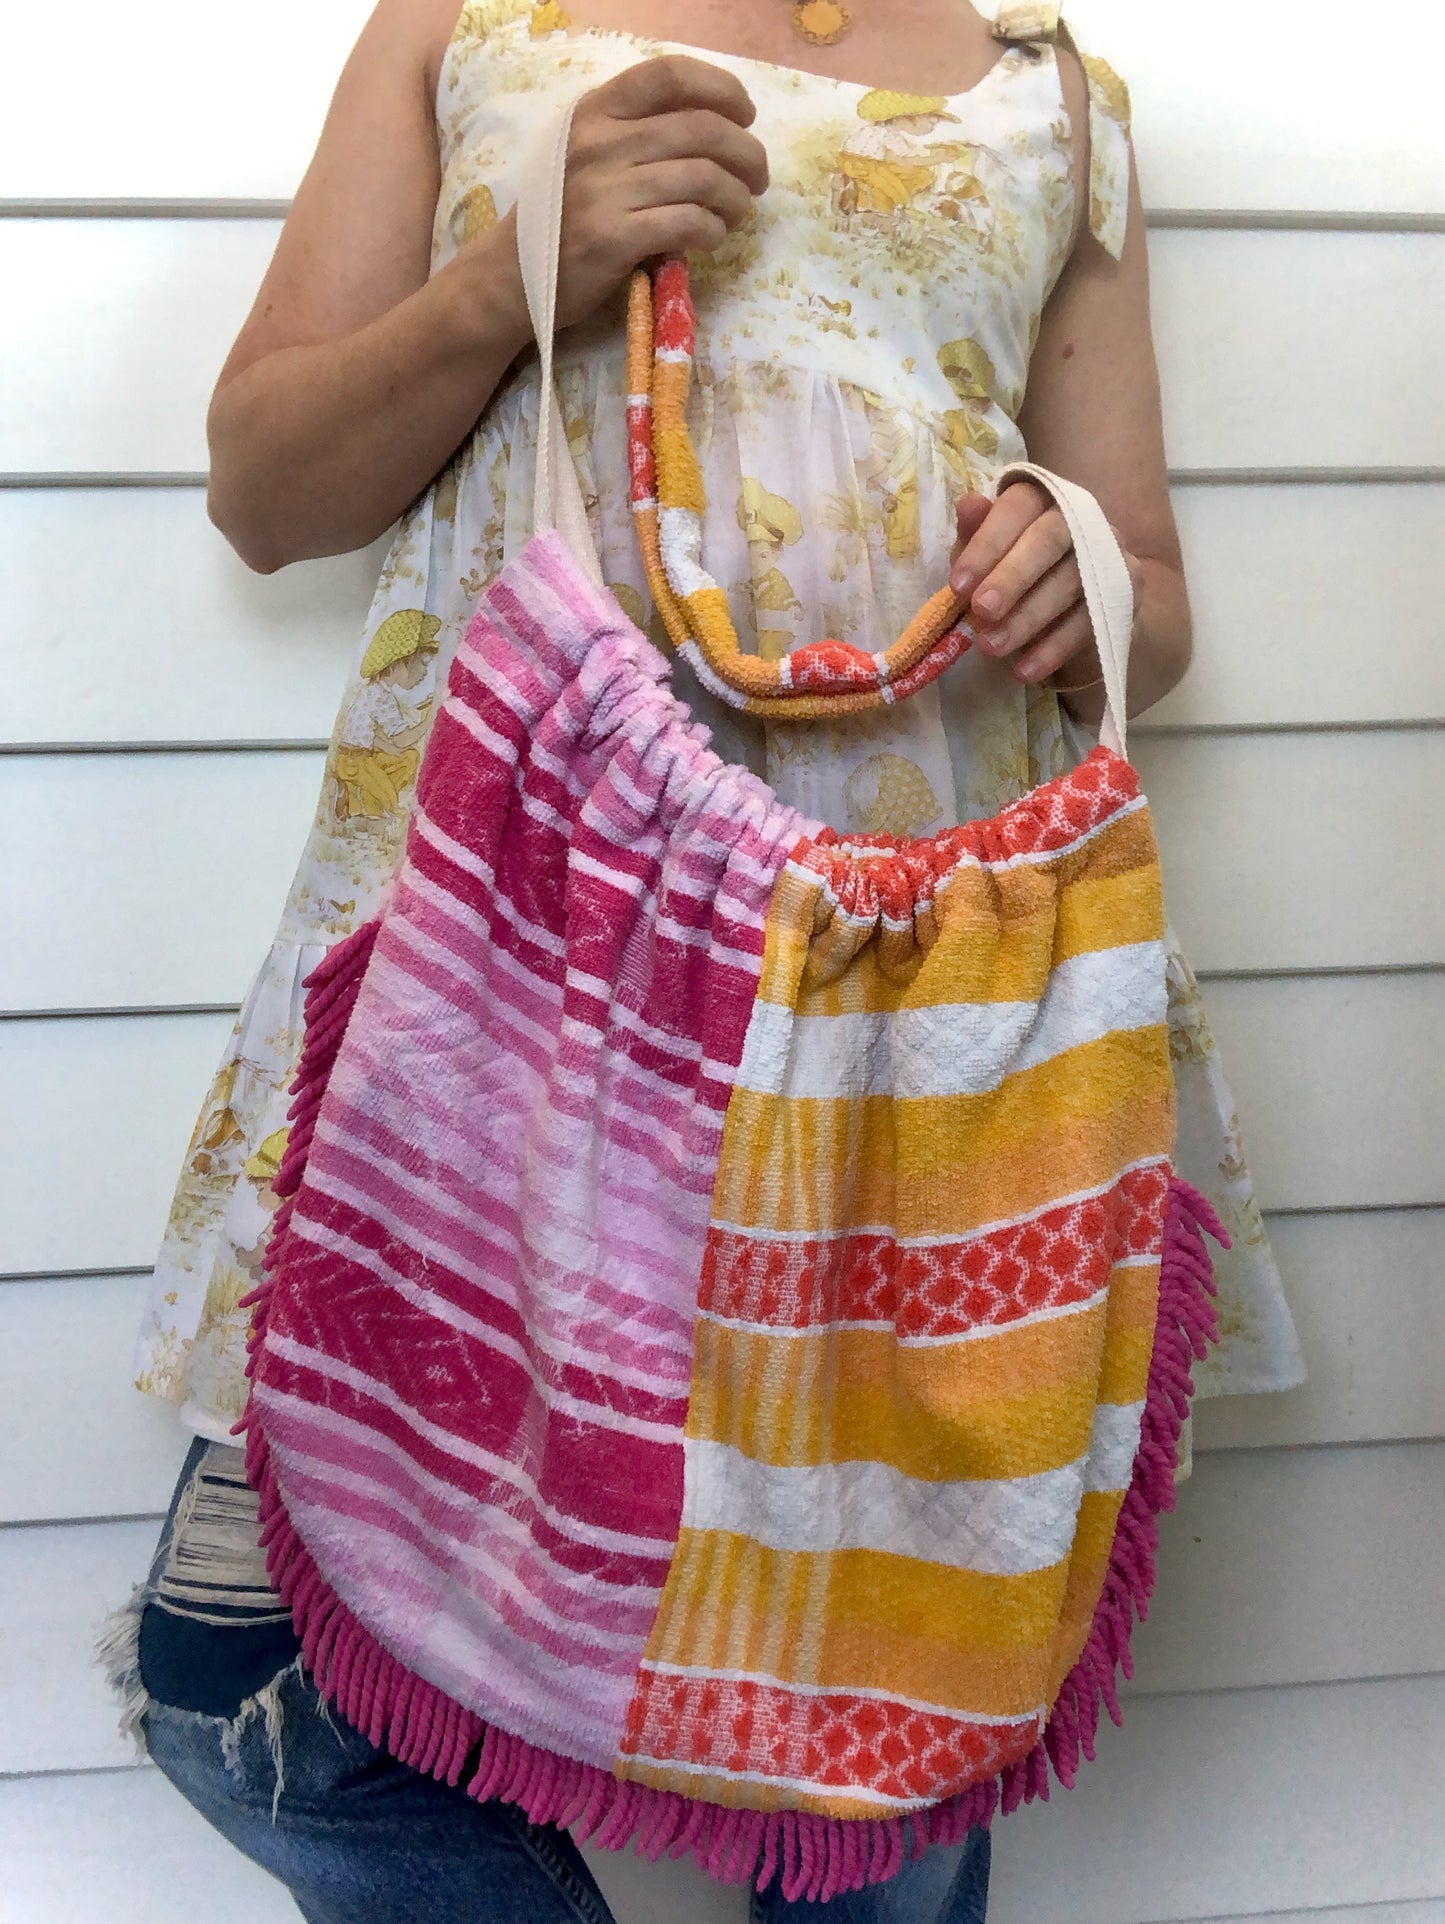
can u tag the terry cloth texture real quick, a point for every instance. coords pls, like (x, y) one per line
(626, 1028)
(927, 1313)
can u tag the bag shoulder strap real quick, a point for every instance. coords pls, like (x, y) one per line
(1108, 589)
(556, 498)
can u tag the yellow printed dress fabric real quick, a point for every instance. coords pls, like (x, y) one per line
(863, 348)
(927, 1314)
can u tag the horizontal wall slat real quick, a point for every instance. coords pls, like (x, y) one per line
(125, 1847)
(1368, 1296)
(127, 618)
(1214, 125)
(1274, 1562)
(181, 643)
(1258, 333)
(145, 877)
(1295, 1779)
(56, 1587)
(127, 322)
(1430, 1910)
(1311, 604)
(1339, 1086)
(156, 881)
(1366, 1292)
(1337, 1080)
(76, 1439)
(105, 1109)
(1316, 1797)
(118, 345)
(1268, 1570)
(1302, 851)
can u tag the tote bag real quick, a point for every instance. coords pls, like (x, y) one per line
(725, 1340)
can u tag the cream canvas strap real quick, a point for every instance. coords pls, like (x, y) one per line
(1027, 20)
(1108, 590)
(557, 499)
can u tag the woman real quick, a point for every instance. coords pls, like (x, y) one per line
(916, 247)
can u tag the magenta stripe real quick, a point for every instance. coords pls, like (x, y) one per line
(452, 1557)
(512, 1271)
(586, 1602)
(477, 1348)
(473, 1160)
(428, 1587)
(598, 1477)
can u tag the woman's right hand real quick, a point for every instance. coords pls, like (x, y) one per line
(659, 162)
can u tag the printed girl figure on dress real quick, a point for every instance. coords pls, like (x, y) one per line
(770, 524)
(377, 749)
(887, 165)
(967, 368)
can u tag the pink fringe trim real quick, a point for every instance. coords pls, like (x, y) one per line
(813, 1857)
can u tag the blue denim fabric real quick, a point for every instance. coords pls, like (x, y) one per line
(358, 1838)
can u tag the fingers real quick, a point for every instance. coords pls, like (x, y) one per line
(1017, 566)
(695, 133)
(1016, 509)
(682, 229)
(973, 510)
(1041, 543)
(696, 183)
(673, 82)
(1067, 639)
(1059, 590)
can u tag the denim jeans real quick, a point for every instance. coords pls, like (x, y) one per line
(358, 1838)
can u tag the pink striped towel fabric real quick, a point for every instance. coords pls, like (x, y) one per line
(507, 1190)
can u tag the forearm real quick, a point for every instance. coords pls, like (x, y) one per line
(1158, 656)
(316, 450)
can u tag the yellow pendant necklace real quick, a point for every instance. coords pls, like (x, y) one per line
(823, 23)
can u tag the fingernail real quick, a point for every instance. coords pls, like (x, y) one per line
(993, 641)
(963, 581)
(989, 602)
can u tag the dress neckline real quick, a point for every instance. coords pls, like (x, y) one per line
(1007, 60)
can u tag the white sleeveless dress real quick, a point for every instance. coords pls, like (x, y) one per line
(864, 343)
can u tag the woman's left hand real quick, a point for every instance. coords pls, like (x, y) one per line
(1015, 563)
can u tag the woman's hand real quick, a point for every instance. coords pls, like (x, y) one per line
(1015, 561)
(659, 162)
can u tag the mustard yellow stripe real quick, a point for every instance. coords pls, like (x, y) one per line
(1129, 1338)
(1088, 1567)
(712, 624)
(885, 1623)
(1107, 911)
(1012, 1404)
(731, 1603)
(947, 1165)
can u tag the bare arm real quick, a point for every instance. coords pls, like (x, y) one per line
(355, 376)
(1092, 413)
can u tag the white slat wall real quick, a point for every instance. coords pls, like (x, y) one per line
(1284, 1752)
